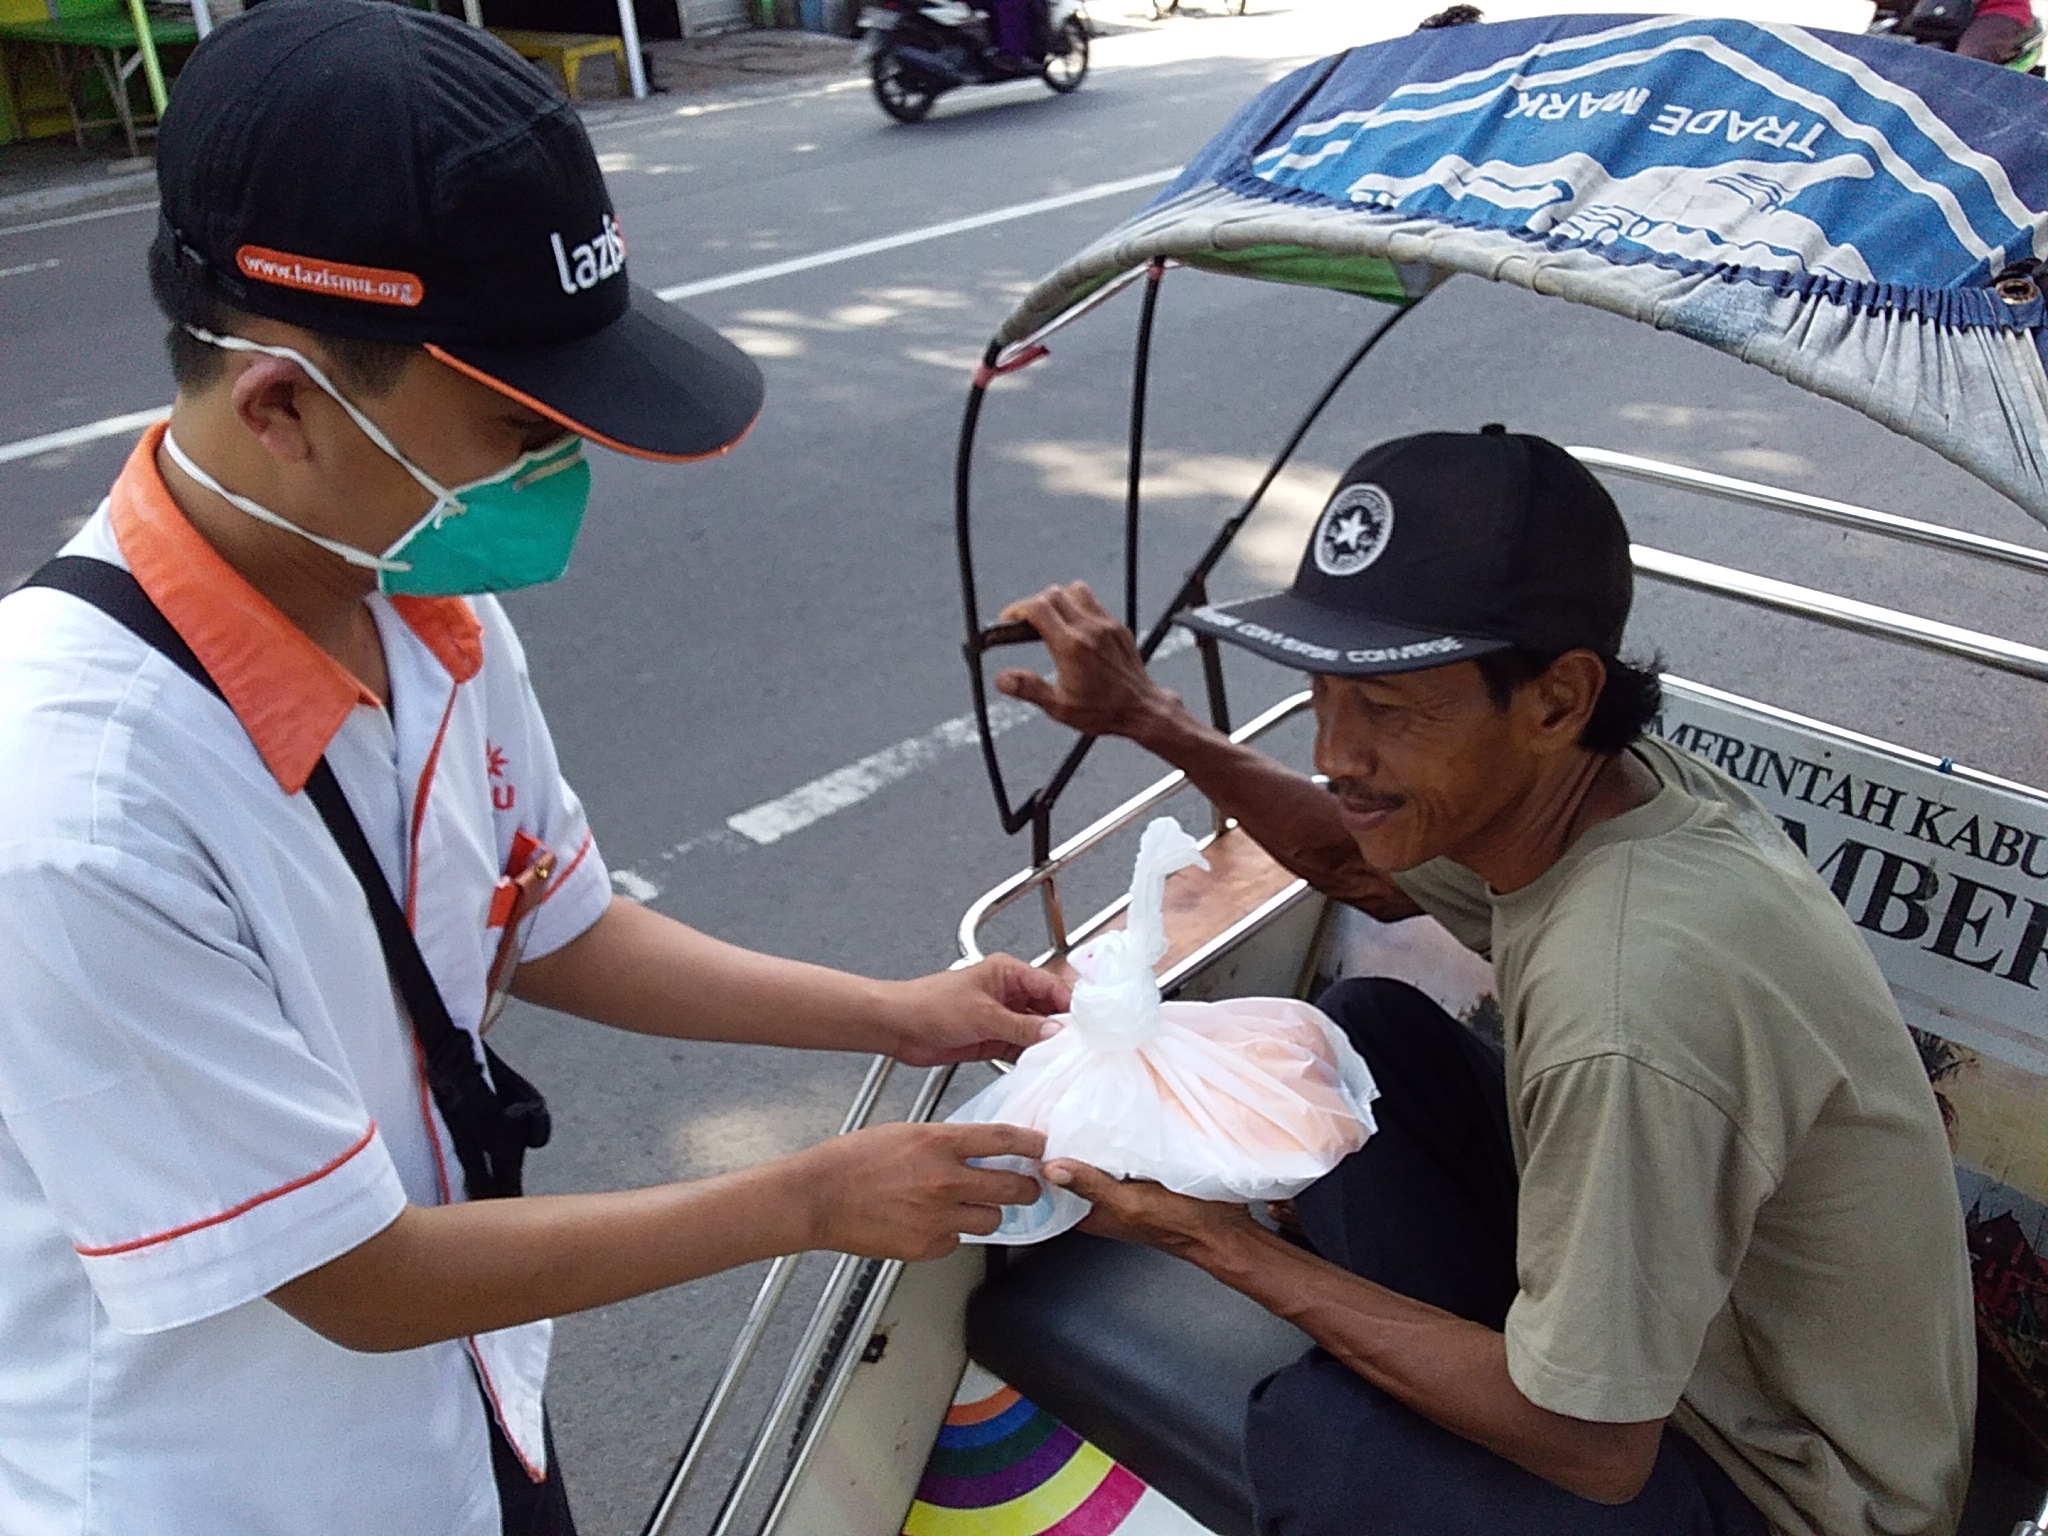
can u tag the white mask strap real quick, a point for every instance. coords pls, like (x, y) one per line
(441, 494)
(263, 514)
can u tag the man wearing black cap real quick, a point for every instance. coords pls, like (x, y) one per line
(284, 826)
(1686, 1258)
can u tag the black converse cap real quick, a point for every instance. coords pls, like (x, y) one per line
(1440, 548)
(364, 169)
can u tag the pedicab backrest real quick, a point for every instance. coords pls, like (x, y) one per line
(1945, 874)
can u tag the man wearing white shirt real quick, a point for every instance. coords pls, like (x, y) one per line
(247, 1281)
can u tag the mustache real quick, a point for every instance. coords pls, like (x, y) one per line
(1355, 795)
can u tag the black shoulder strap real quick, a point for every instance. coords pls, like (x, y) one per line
(491, 1129)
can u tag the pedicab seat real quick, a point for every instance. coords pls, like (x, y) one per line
(1147, 1357)
(1152, 1360)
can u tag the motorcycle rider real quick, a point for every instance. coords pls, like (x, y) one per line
(1019, 24)
(1994, 31)
(1999, 31)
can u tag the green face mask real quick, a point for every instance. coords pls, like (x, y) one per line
(515, 528)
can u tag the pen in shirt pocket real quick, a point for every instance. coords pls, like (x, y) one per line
(518, 895)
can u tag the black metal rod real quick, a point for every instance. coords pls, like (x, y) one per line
(1198, 574)
(1212, 682)
(1134, 464)
(1013, 818)
(1197, 577)
(963, 487)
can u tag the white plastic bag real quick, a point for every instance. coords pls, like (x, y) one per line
(1254, 1098)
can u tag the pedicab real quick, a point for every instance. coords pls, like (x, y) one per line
(1862, 219)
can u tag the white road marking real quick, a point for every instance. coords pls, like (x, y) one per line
(135, 421)
(807, 804)
(32, 266)
(634, 887)
(861, 248)
(92, 431)
(775, 819)
(717, 837)
(77, 218)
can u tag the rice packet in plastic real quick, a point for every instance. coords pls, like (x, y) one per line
(1251, 1098)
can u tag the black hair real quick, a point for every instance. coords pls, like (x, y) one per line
(367, 368)
(1628, 702)
(1455, 16)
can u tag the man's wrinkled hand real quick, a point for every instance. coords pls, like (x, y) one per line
(986, 1012)
(1099, 684)
(1139, 1211)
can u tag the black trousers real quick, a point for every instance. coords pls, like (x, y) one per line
(1427, 1208)
(529, 1508)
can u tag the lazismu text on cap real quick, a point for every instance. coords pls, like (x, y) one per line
(603, 256)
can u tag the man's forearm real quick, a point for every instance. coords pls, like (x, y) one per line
(638, 970)
(445, 1272)
(1451, 1371)
(1285, 812)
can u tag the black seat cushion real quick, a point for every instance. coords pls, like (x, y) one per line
(1153, 1361)
(1144, 1355)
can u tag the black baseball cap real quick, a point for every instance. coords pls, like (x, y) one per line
(1440, 548)
(364, 169)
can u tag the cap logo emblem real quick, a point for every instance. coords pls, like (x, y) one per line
(1354, 530)
(586, 265)
(337, 279)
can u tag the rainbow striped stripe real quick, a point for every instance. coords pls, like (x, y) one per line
(1005, 1467)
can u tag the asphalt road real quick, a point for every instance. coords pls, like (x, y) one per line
(735, 630)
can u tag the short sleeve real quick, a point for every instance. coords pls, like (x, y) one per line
(190, 1143)
(1455, 897)
(1638, 1198)
(548, 808)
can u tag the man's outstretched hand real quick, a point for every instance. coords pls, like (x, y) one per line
(985, 1012)
(909, 1191)
(1099, 684)
(1138, 1211)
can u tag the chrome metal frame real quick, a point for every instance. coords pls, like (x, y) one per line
(853, 1340)
(1843, 612)
(767, 1301)
(1841, 513)
(1825, 607)
(812, 1348)
(1044, 877)
(815, 1350)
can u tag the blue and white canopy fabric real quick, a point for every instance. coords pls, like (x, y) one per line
(1860, 215)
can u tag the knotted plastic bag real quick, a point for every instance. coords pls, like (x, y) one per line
(1253, 1098)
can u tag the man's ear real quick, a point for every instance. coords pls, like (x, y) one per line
(1559, 700)
(266, 395)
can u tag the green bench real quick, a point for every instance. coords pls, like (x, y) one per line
(118, 39)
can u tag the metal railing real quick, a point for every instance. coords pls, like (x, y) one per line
(805, 1399)
(1843, 612)
(1044, 877)
(767, 1301)
(1818, 508)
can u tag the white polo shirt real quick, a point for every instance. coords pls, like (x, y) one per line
(207, 1086)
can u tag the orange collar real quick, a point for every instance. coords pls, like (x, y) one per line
(290, 695)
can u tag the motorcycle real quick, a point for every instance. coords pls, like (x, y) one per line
(917, 50)
(1941, 24)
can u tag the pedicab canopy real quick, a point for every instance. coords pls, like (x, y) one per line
(1857, 214)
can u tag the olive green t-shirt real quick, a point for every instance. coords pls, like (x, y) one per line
(1737, 1205)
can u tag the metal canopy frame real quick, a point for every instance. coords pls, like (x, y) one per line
(857, 1290)
(1035, 808)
